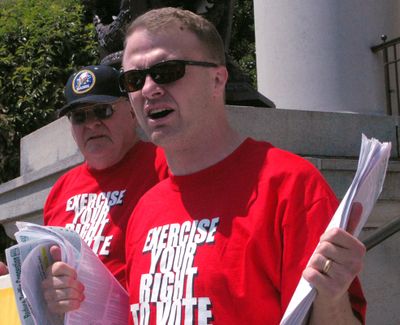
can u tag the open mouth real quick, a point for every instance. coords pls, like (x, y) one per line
(159, 113)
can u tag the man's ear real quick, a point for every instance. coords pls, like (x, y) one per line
(220, 79)
(129, 103)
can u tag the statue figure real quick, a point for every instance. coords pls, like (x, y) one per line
(111, 17)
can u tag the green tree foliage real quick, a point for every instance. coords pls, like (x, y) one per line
(41, 43)
(242, 47)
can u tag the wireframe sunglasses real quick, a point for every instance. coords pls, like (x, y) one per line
(99, 111)
(162, 73)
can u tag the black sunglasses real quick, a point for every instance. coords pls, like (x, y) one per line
(99, 111)
(162, 73)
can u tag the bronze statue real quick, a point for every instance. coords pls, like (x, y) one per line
(112, 17)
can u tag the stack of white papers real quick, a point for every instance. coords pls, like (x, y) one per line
(365, 189)
(106, 301)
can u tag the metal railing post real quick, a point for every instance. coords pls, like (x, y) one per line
(384, 47)
(387, 78)
(382, 233)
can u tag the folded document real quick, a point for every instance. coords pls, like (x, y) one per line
(106, 301)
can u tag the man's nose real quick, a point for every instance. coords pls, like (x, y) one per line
(91, 119)
(151, 89)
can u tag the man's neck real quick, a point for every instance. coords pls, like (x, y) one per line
(205, 154)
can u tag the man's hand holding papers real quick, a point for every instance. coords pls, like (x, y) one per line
(337, 260)
(62, 290)
(63, 258)
(339, 252)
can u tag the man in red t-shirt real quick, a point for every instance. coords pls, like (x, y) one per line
(225, 239)
(97, 197)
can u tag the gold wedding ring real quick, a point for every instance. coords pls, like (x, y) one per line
(327, 266)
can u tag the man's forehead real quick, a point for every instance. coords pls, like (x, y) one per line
(145, 49)
(171, 35)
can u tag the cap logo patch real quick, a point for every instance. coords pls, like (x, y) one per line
(83, 81)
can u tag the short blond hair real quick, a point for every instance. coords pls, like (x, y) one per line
(159, 20)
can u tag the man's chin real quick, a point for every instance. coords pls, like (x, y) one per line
(100, 159)
(96, 151)
(159, 137)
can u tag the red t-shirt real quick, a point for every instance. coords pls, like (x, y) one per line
(98, 203)
(228, 244)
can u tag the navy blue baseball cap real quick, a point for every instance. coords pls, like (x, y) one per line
(93, 84)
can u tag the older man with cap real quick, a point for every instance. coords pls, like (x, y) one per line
(117, 170)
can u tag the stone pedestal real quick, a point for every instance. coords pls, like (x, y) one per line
(316, 55)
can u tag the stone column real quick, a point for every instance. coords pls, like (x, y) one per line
(315, 55)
